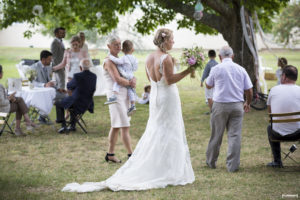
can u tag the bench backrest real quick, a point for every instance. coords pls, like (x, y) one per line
(286, 120)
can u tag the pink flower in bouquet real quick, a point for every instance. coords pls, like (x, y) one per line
(192, 60)
(202, 56)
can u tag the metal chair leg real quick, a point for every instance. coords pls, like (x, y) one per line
(6, 124)
(82, 127)
(78, 120)
(292, 149)
(81, 119)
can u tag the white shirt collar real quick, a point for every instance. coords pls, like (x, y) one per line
(226, 59)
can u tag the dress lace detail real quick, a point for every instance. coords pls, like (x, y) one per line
(74, 64)
(162, 58)
(161, 156)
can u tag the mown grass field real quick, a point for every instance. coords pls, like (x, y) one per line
(39, 165)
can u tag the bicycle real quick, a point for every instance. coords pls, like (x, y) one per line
(259, 101)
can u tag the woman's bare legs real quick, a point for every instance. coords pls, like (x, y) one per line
(113, 137)
(112, 140)
(126, 139)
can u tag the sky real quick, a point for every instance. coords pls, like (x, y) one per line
(184, 38)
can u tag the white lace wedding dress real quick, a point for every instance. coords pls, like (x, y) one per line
(161, 156)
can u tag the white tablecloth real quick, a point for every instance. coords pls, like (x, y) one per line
(100, 87)
(40, 98)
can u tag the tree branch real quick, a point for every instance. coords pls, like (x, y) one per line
(219, 6)
(210, 20)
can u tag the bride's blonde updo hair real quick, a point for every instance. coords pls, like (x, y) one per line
(162, 35)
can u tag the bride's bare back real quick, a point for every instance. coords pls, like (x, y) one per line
(153, 65)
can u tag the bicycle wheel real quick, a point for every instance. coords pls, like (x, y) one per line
(258, 104)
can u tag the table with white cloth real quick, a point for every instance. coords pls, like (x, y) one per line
(40, 98)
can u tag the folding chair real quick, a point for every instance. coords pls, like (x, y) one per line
(293, 148)
(96, 62)
(78, 120)
(23, 66)
(4, 122)
(28, 62)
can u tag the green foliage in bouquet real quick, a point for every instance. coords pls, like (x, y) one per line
(31, 74)
(193, 57)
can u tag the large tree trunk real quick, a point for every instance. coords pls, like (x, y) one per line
(228, 23)
(233, 34)
(242, 54)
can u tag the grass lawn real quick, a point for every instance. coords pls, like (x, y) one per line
(39, 165)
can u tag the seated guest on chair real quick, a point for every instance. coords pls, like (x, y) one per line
(83, 86)
(284, 98)
(10, 104)
(43, 69)
(43, 79)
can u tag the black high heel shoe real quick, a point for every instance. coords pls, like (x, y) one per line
(129, 155)
(111, 154)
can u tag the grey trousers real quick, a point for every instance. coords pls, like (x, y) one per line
(60, 78)
(229, 116)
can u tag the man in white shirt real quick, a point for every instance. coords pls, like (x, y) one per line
(284, 98)
(230, 82)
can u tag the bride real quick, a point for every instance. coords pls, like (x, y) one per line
(161, 156)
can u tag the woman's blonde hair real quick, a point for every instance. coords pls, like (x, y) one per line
(162, 35)
(75, 38)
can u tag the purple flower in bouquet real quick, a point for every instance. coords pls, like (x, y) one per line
(193, 57)
(191, 60)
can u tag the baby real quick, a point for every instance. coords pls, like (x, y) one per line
(126, 66)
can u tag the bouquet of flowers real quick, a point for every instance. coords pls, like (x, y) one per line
(31, 74)
(194, 58)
